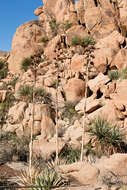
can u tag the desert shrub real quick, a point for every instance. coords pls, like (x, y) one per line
(69, 154)
(84, 42)
(26, 63)
(2, 63)
(54, 27)
(123, 73)
(118, 74)
(68, 25)
(69, 111)
(113, 75)
(87, 41)
(3, 69)
(107, 138)
(44, 39)
(76, 40)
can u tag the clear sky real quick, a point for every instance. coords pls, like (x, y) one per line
(13, 13)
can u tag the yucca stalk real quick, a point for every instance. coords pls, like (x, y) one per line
(32, 126)
(88, 57)
(34, 70)
(57, 151)
(84, 116)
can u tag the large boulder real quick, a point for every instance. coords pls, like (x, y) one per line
(25, 42)
(61, 9)
(74, 89)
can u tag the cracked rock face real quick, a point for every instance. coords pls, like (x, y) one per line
(25, 42)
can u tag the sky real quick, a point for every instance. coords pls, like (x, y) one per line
(13, 13)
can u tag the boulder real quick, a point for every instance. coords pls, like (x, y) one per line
(61, 9)
(38, 11)
(74, 89)
(77, 63)
(98, 82)
(45, 149)
(50, 50)
(120, 60)
(76, 30)
(16, 113)
(91, 105)
(82, 172)
(26, 41)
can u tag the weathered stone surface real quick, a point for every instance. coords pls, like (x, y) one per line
(16, 113)
(74, 89)
(25, 42)
(77, 63)
(75, 30)
(51, 47)
(97, 82)
(120, 60)
(38, 11)
(82, 172)
(91, 105)
(91, 13)
(45, 149)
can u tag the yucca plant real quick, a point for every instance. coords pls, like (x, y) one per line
(25, 179)
(5, 105)
(47, 180)
(13, 82)
(106, 137)
(26, 63)
(26, 92)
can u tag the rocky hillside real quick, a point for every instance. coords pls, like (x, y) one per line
(68, 69)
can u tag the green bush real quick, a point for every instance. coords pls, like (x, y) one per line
(84, 42)
(76, 40)
(70, 155)
(106, 137)
(54, 27)
(118, 74)
(26, 63)
(3, 69)
(87, 41)
(45, 39)
(114, 75)
(2, 63)
(69, 110)
(68, 25)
